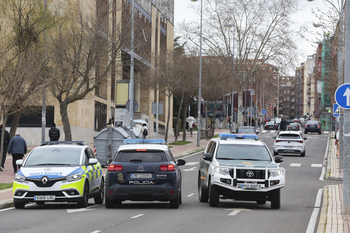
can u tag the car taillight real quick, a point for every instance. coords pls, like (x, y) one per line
(278, 141)
(318, 126)
(168, 167)
(300, 141)
(115, 168)
(305, 126)
(288, 127)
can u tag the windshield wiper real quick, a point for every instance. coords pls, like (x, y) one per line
(227, 158)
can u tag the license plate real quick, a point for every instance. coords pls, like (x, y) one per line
(250, 186)
(312, 126)
(141, 175)
(44, 198)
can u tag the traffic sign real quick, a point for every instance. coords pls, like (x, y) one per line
(235, 109)
(336, 110)
(342, 96)
(263, 111)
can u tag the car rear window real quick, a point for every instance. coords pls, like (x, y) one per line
(144, 156)
(289, 136)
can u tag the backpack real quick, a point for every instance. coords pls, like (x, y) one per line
(145, 132)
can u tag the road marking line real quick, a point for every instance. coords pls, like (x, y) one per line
(316, 165)
(191, 169)
(190, 195)
(313, 219)
(236, 211)
(136, 216)
(97, 231)
(295, 164)
(191, 163)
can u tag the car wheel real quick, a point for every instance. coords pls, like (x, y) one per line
(99, 198)
(85, 200)
(276, 199)
(261, 201)
(275, 153)
(175, 203)
(202, 193)
(40, 202)
(108, 202)
(19, 205)
(303, 154)
(213, 196)
(305, 132)
(180, 198)
(320, 132)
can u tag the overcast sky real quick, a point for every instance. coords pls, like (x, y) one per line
(183, 11)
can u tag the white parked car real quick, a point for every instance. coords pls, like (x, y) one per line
(289, 142)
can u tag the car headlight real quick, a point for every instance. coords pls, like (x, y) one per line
(275, 172)
(19, 178)
(74, 177)
(222, 170)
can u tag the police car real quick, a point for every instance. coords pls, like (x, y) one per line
(59, 172)
(240, 167)
(143, 170)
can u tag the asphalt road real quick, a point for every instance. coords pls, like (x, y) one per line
(297, 204)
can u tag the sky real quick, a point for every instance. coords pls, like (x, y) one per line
(183, 12)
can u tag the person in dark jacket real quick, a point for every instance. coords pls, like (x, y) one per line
(54, 133)
(6, 142)
(17, 148)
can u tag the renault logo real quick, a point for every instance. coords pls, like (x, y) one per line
(250, 173)
(44, 180)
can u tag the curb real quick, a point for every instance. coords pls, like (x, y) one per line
(194, 151)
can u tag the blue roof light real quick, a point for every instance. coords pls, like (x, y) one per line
(144, 141)
(238, 136)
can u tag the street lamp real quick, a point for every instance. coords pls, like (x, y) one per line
(200, 81)
(233, 69)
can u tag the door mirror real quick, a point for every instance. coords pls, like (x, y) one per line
(207, 157)
(92, 161)
(278, 159)
(180, 162)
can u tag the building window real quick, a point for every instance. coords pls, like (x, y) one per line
(100, 116)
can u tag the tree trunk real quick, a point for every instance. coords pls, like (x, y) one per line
(184, 123)
(14, 125)
(65, 121)
(240, 103)
(178, 117)
(167, 123)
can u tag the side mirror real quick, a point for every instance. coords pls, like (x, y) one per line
(92, 161)
(19, 162)
(207, 157)
(109, 162)
(180, 162)
(305, 139)
(274, 137)
(278, 159)
(257, 132)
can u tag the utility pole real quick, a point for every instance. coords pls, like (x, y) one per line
(340, 82)
(43, 108)
(131, 85)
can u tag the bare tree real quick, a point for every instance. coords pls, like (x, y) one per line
(263, 33)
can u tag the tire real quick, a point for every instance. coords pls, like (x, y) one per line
(180, 198)
(99, 198)
(305, 132)
(85, 200)
(40, 202)
(261, 201)
(213, 196)
(19, 205)
(202, 193)
(175, 203)
(275, 153)
(276, 199)
(320, 132)
(303, 154)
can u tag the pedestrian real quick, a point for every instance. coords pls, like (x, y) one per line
(54, 133)
(144, 130)
(110, 122)
(6, 142)
(221, 119)
(191, 125)
(228, 122)
(17, 148)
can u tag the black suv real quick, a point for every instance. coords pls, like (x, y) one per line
(312, 126)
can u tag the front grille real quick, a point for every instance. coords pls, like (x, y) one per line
(248, 174)
(35, 193)
(48, 184)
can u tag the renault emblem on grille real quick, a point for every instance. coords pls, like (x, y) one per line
(250, 173)
(44, 180)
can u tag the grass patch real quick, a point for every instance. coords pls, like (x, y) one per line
(216, 136)
(180, 143)
(5, 186)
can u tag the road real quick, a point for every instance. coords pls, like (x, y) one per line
(297, 204)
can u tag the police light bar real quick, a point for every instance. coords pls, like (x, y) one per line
(238, 136)
(144, 141)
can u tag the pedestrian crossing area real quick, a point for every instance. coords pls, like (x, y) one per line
(314, 165)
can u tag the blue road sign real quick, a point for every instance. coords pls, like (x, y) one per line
(335, 110)
(263, 111)
(342, 96)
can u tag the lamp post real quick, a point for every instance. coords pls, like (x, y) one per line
(233, 71)
(131, 87)
(200, 80)
(43, 107)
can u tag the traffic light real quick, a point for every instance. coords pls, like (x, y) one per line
(275, 111)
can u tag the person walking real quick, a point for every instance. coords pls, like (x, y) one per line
(54, 133)
(144, 131)
(17, 148)
(6, 142)
(221, 119)
(228, 122)
(191, 125)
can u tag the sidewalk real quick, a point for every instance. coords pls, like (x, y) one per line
(7, 175)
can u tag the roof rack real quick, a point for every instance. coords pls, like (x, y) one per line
(225, 136)
(144, 141)
(44, 143)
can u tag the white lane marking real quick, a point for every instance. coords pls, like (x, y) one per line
(295, 164)
(191, 169)
(272, 131)
(190, 195)
(264, 131)
(313, 218)
(97, 231)
(236, 211)
(77, 210)
(191, 163)
(316, 165)
(11, 208)
(322, 174)
(137, 216)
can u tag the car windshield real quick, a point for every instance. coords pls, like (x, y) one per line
(289, 136)
(141, 156)
(243, 152)
(311, 122)
(293, 124)
(245, 130)
(54, 156)
(270, 123)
